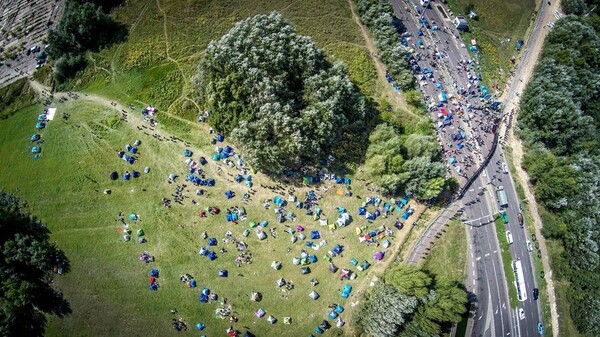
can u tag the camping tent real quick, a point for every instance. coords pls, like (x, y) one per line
(305, 270)
(313, 295)
(332, 268)
(343, 220)
(276, 265)
(260, 313)
(36, 149)
(114, 175)
(229, 194)
(287, 320)
(364, 265)
(260, 234)
(272, 319)
(346, 290)
(314, 235)
(255, 296)
(200, 326)
(280, 282)
(35, 137)
(223, 273)
(378, 256)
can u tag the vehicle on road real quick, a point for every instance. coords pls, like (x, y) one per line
(509, 237)
(536, 293)
(504, 168)
(521, 314)
(501, 194)
(520, 219)
(540, 328)
(529, 246)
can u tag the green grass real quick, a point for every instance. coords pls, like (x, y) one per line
(107, 287)
(159, 59)
(507, 262)
(498, 21)
(448, 256)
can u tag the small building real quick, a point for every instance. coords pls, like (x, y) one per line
(461, 23)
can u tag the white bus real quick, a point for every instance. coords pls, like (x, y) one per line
(519, 281)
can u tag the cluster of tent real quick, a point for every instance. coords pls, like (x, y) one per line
(149, 111)
(222, 152)
(385, 210)
(35, 138)
(153, 276)
(247, 180)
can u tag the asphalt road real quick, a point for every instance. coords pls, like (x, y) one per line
(493, 315)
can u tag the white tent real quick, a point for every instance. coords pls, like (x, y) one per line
(343, 220)
(276, 265)
(314, 295)
(280, 282)
(272, 319)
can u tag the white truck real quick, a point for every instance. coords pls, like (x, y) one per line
(501, 194)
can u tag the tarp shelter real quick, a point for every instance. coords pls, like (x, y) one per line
(272, 319)
(276, 265)
(313, 295)
(223, 273)
(305, 270)
(260, 313)
(280, 282)
(255, 296)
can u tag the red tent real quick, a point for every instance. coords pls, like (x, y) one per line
(444, 111)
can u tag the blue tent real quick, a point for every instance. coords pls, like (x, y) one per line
(133, 150)
(341, 210)
(347, 181)
(193, 284)
(452, 160)
(202, 161)
(215, 157)
(153, 286)
(220, 138)
(154, 273)
(339, 309)
(339, 180)
(337, 249)
(126, 176)
(459, 145)
(40, 125)
(346, 290)
(227, 150)
(442, 97)
(41, 117)
(210, 182)
(35, 137)
(278, 201)
(121, 154)
(362, 211)
(229, 194)
(187, 153)
(314, 235)
(438, 85)
(200, 326)
(313, 258)
(36, 149)
(333, 314)
(212, 241)
(239, 178)
(212, 255)
(203, 298)
(223, 273)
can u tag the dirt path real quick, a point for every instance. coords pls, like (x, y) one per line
(521, 79)
(397, 97)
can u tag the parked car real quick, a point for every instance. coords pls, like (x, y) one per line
(529, 246)
(504, 168)
(536, 293)
(521, 314)
(509, 237)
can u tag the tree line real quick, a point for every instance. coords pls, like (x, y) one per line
(27, 259)
(379, 16)
(409, 302)
(83, 27)
(559, 122)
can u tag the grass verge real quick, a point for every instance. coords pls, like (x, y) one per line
(448, 255)
(507, 262)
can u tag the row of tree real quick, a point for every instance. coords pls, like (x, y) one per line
(410, 302)
(560, 123)
(277, 95)
(378, 16)
(83, 27)
(27, 259)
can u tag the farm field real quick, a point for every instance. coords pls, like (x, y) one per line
(108, 284)
(500, 24)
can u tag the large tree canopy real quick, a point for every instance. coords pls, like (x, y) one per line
(275, 92)
(26, 263)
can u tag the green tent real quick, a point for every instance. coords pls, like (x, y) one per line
(140, 232)
(252, 224)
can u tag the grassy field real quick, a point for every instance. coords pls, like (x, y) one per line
(500, 24)
(507, 262)
(167, 38)
(108, 285)
(448, 256)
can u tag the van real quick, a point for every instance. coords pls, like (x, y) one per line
(520, 218)
(509, 237)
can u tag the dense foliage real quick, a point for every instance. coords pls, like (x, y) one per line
(26, 262)
(410, 302)
(275, 92)
(83, 27)
(398, 163)
(559, 120)
(378, 15)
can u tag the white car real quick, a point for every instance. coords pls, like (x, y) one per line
(521, 314)
(504, 168)
(509, 237)
(529, 246)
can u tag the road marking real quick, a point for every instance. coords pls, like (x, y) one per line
(495, 251)
(478, 258)
(480, 317)
(473, 283)
(487, 254)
